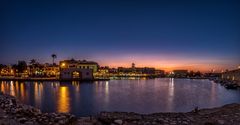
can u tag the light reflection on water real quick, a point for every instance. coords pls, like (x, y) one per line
(142, 96)
(63, 100)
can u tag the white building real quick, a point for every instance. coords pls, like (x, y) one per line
(77, 69)
(76, 74)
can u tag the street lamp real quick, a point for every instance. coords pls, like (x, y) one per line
(63, 65)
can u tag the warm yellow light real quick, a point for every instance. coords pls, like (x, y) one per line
(63, 64)
(63, 104)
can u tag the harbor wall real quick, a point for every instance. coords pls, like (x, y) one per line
(233, 75)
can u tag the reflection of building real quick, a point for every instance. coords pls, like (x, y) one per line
(180, 73)
(63, 104)
(233, 75)
(80, 70)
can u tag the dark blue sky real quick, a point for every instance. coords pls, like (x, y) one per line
(118, 32)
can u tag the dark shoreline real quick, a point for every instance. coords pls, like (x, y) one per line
(13, 112)
(63, 80)
(48, 79)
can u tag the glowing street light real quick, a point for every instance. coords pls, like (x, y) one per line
(63, 65)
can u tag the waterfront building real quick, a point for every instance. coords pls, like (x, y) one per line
(113, 70)
(51, 70)
(7, 71)
(35, 70)
(81, 64)
(103, 73)
(160, 73)
(180, 73)
(76, 74)
(136, 71)
(78, 69)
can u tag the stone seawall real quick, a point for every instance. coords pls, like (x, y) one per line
(12, 112)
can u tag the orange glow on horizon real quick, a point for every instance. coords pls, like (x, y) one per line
(169, 62)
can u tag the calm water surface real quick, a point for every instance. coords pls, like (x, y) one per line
(142, 96)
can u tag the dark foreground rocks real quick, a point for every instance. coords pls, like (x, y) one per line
(14, 113)
(226, 115)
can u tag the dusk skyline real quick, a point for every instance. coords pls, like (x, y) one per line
(167, 35)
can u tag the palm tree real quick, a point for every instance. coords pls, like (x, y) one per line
(54, 56)
(32, 61)
(32, 66)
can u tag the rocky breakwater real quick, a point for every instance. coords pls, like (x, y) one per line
(228, 84)
(225, 115)
(14, 113)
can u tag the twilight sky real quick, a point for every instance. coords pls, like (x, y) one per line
(192, 34)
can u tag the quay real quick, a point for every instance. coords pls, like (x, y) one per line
(47, 79)
(229, 79)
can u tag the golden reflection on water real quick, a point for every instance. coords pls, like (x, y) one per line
(17, 87)
(22, 90)
(63, 104)
(12, 91)
(3, 89)
(38, 90)
(76, 85)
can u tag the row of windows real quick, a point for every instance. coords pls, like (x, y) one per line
(68, 73)
(82, 67)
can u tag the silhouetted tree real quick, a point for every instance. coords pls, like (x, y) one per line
(15, 68)
(22, 66)
(191, 74)
(2, 66)
(32, 62)
(198, 73)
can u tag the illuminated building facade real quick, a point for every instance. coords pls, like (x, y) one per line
(80, 64)
(77, 69)
(7, 71)
(50, 70)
